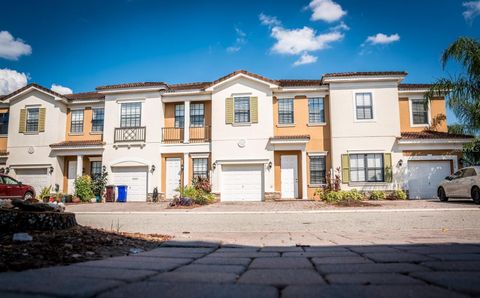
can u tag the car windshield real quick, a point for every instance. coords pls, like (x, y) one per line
(9, 180)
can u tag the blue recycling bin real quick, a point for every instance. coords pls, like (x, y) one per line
(122, 193)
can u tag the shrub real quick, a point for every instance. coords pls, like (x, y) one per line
(202, 184)
(188, 192)
(377, 195)
(45, 193)
(181, 202)
(353, 195)
(83, 188)
(333, 196)
(399, 195)
(197, 195)
(99, 183)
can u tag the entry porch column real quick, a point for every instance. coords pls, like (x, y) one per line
(304, 174)
(186, 169)
(79, 165)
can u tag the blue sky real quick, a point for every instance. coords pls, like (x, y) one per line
(83, 44)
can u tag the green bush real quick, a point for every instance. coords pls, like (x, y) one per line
(353, 195)
(377, 195)
(199, 196)
(333, 196)
(83, 188)
(399, 195)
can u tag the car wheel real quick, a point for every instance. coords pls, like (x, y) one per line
(28, 195)
(476, 195)
(441, 194)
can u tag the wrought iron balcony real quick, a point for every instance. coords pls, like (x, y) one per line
(130, 134)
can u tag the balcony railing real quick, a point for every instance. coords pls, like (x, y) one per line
(172, 135)
(200, 134)
(130, 134)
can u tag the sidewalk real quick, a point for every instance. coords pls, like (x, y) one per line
(280, 206)
(206, 269)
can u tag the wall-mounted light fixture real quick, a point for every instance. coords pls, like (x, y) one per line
(7, 170)
(214, 165)
(2, 170)
(50, 170)
(269, 166)
(181, 167)
(104, 168)
(400, 163)
(152, 168)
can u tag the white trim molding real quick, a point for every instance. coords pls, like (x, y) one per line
(453, 158)
(410, 112)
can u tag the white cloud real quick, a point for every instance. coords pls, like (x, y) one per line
(305, 59)
(326, 10)
(11, 80)
(472, 10)
(61, 89)
(269, 20)
(11, 48)
(340, 27)
(296, 41)
(381, 38)
(239, 41)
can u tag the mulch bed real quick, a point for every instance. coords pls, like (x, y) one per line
(353, 203)
(77, 244)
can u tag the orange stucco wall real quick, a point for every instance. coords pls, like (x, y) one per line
(170, 113)
(437, 115)
(87, 133)
(320, 139)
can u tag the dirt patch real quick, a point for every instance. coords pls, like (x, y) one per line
(353, 203)
(77, 244)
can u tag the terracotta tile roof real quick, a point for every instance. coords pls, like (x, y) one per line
(430, 134)
(132, 85)
(293, 137)
(32, 85)
(78, 143)
(414, 86)
(189, 86)
(85, 95)
(299, 83)
(245, 73)
(365, 73)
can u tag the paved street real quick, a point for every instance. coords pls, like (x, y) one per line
(343, 252)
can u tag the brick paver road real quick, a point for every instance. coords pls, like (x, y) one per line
(207, 269)
(386, 252)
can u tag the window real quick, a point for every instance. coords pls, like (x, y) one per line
(366, 167)
(419, 112)
(469, 172)
(179, 115)
(131, 114)
(32, 119)
(200, 167)
(242, 109)
(197, 115)
(285, 111)
(4, 123)
(316, 112)
(317, 170)
(95, 169)
(77, 121)
(363, 106)
(97, 119)
(9, 180)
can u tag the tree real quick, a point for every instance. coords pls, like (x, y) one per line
(463, 90)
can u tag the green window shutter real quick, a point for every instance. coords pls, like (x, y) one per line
(41, 119)
(387, 167)
(345, 168)
(254, 109)
(229, 110)
(22, 126)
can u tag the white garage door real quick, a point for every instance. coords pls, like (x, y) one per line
(242, 183)
(136, 180)
(38, 178)
(424, 177)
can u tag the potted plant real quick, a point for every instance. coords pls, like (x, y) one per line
(99, 184)
(45, 194)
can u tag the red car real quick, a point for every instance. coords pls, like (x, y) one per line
(11, 189)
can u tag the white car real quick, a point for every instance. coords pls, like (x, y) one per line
(462, 184)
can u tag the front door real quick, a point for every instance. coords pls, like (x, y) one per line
(173, 179)
(71, 175)
(289, 176)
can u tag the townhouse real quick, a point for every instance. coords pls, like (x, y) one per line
(255, 138)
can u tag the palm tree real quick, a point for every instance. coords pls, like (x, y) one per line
(464, 89)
